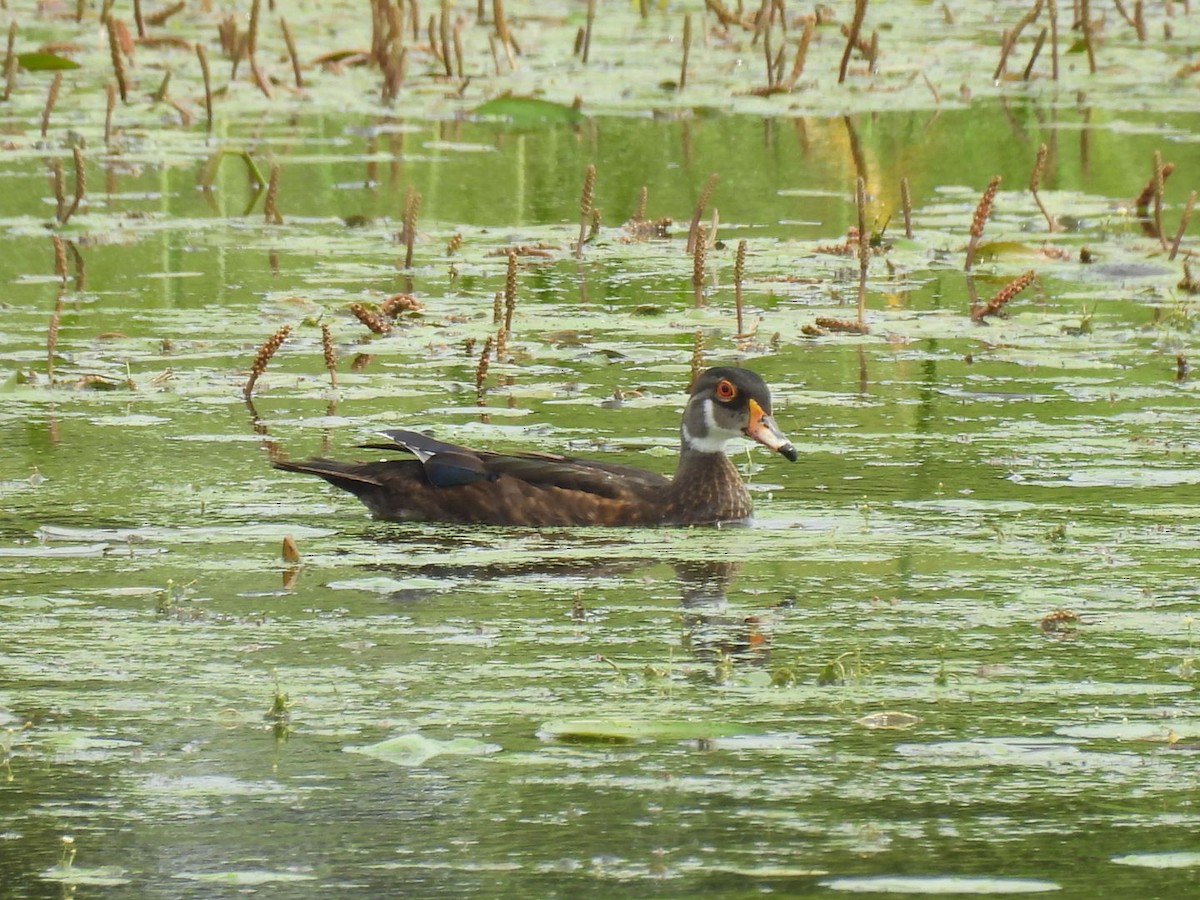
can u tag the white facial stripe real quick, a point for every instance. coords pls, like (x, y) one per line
(717, 437)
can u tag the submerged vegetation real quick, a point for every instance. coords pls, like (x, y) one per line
(955, 237)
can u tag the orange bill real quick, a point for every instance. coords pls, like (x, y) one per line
(762, 428)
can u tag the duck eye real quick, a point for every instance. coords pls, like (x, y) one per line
(726, 390)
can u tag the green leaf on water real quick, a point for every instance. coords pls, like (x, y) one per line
(620, 730)
(45, 62)
(529, 110)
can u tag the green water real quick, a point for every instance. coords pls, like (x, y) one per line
(864, 684)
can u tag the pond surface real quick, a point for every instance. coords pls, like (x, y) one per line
(955, 653)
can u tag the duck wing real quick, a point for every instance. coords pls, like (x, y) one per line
(449, 483)
(450, 465)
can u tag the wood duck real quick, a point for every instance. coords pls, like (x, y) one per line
(449, 483)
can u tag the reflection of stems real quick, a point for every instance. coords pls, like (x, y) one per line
(701, 202)
(864, 250)
(10, 63)
(1183, 223)
(1160, 179)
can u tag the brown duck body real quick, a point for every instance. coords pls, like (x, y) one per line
(449, 483)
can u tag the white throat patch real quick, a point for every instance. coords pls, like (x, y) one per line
(716, 438)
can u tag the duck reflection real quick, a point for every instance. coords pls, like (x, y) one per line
(712, 630)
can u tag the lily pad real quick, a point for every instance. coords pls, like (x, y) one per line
(416, 749)
(245, 877)
(99, 876)
(45, 62)
(620, 730)
(940, 885)
(1182, 860)
(529, 110)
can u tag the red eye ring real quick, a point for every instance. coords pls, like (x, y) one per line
(726, 390)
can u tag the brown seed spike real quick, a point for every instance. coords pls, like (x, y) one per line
(60, 198)
(906, 206)
(1142, 203)
(270, 209)
(80, 183)
(585, 207)
(982, 212)
(51, 99)
(995, 305)
(52, 333)
(698, 259)
(60, 257)
(739, 272)
(847, 326)
(510, 292)
(639, 214)
(330, 353)
(481, 370)
(368, 318)
(701, 202)
(265, 352)
(412, 208)
(118, 61)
